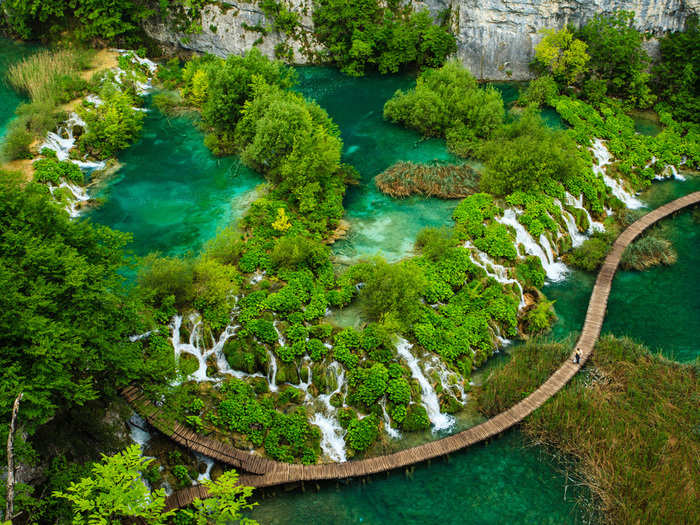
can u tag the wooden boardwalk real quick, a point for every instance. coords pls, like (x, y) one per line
(261, 472)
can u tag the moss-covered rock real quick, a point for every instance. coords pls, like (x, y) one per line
(416, 418)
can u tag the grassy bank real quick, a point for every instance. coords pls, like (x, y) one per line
(630, 420)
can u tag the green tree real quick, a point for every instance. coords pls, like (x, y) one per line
(227, 500)
(617, 56)
(65, 317)
(562, 55)
(116, 491)
(676, 77)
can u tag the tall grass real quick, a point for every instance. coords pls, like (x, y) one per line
(432, 180)
(38, 75)
(630, 420)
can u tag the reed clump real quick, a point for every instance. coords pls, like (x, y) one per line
(445, 181)
(648, 252)
(630, 421)
(41, 75)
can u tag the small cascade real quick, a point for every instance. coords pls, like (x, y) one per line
(208, 462)
(555, 270)
(544, 242)
(495, 271)
(332, 434)
(576, 236)
(577, 203)
(392, 432)
(272, 372)
(602, 155)
(439, 420)
(449, 380)
(280, 337)
(195, 346)
(138, 431)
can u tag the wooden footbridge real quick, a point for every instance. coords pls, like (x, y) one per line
(261, 472)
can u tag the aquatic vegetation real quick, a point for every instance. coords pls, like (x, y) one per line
(54, 171)
(625, 420)
(647, 252)
(445, 181)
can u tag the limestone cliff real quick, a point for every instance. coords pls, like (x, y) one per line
(495, 38)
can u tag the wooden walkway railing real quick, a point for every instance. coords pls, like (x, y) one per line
(265, 473)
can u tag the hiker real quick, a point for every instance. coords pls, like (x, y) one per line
(577, 356)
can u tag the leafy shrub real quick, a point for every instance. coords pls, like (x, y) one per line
(53, 171)
(111, 126)
(416, 418)
(590, 255)
(16, 142)
(529, 271)
(362, 433)
(369, 384)
(447, 99)
(539, 92)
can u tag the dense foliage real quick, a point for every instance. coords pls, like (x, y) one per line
(617, 57)
(448, 102)
(368, 34)
(676, 76)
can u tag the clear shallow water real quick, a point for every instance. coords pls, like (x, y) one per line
(379, 224)
(170, 192)
(10, 52)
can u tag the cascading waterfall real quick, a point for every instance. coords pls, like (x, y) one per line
(449, 379)
(555, 271)
(392, 432)
(195, 345)
(208, 462)
(602, 155)
(332, 434)
(576, 236)
(499, 273)
(439, 420)
(593, 226)
(138, 431)
(272, 372)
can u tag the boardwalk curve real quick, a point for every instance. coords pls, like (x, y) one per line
(262, 472)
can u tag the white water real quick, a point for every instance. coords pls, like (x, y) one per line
(555, 271)
(602, 155)
(392, 432)
(576, 236)
(449, 379)
(195, 346)
(577, 203)
(208, 462)
(272, 372)
(138, 431)
(496, 271)
(332, 434)
(439, 420)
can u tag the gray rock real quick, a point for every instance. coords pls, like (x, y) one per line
(495, 38)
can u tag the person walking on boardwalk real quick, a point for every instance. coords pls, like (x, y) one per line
(577, 356)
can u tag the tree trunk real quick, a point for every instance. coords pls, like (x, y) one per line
(9, 509)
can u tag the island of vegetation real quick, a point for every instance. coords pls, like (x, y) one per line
(236, 341)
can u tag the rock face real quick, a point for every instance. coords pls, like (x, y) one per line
(495, 38)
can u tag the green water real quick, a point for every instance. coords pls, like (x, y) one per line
(10, 52)
(379, 224)
(171, 193)
(498, 483)
(659, 307)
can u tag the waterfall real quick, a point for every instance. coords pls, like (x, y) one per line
(392, 432)
(439, 420)
(448, 379)
(272, 372)
(499, 273)
(208, 462)
(602, 155)
(576, 236)
(138, 431)
(195, 346)
(577, 203)
(555, 270)
(332, 434)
